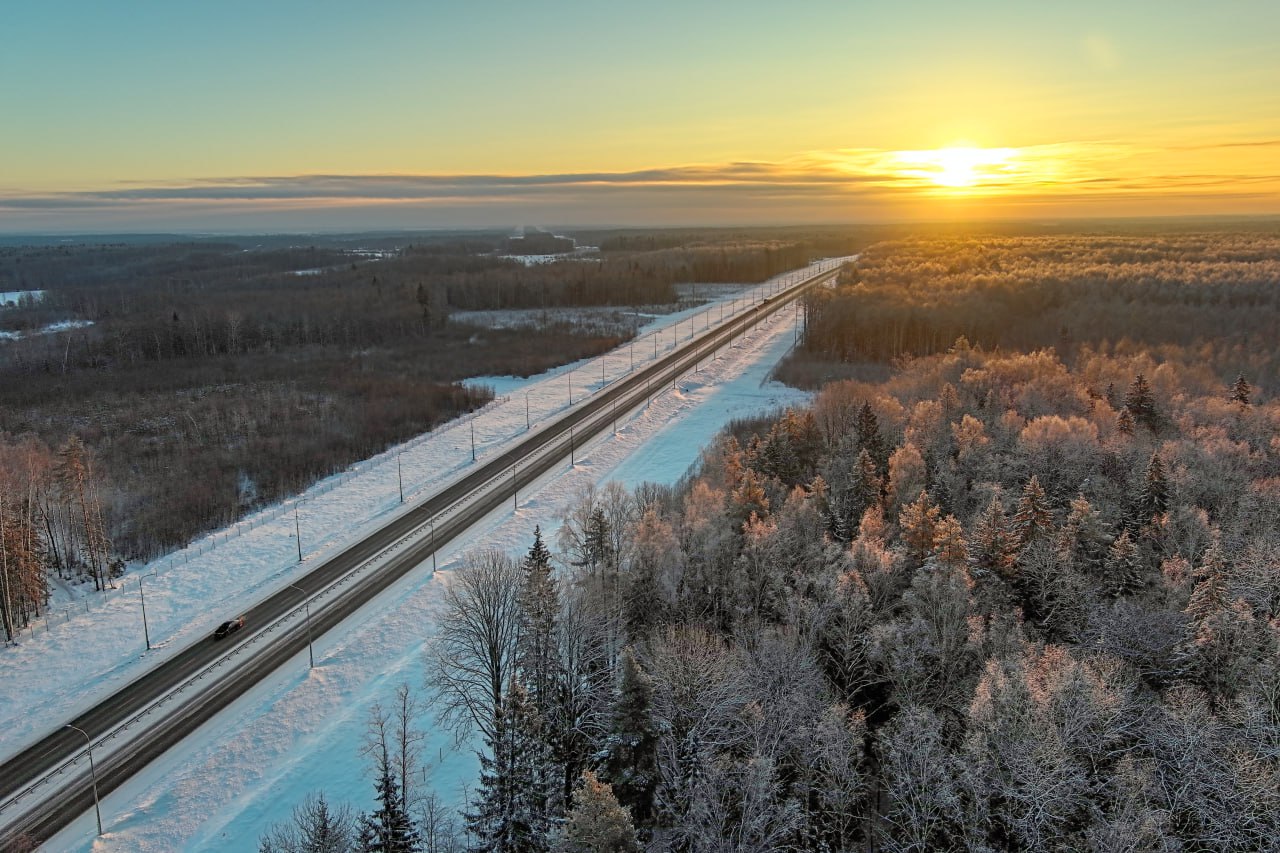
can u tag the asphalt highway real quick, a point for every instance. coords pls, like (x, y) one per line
(43, 811)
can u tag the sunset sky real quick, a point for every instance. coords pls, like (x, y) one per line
(291, 115)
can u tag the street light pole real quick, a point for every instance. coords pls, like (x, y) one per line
(473, 439)
(433, 543)
(528, 423)
(93, 774)
(297, 530)
(145, 633)
(400, 477)
(311, 655)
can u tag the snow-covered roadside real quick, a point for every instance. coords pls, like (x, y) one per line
(74, 658)
(300, 731)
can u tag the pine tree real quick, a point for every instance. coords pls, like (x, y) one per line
(1033, 519)
(1123, 566)
(598, 823)
(389, 829)
(1241, 392)
(993, 546)
(632, 760)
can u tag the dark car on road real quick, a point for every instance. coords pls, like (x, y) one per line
(229, 627)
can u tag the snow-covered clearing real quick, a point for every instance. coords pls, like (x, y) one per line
(300, 731)
(12, 298)
(52, 328)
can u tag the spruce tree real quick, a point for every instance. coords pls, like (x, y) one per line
(1241, 392)
(537, 655)
(1123, 566)
(1085, 536)
(511, 812)
(993, 546)
(869, 437)
(1141, 403)
(388, 829)
(1153, 500)
(1033, 518)
(632, 759)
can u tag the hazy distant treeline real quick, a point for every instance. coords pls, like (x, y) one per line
(1215, 292)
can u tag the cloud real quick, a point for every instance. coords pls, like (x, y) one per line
(834, 185)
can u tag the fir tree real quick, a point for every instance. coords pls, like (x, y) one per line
(632, 760)
(597, 822)
(1033, 519)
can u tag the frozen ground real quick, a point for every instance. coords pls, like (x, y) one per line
(300, 731)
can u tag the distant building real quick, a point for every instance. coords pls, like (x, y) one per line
(538, 242)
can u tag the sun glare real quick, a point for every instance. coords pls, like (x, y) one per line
(960, 167)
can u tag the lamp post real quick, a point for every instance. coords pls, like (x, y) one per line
(528, 422)
(473, 439)
(297, 530)
(311, 655)
(433, 543)
(145, 633)
(93, 774)
(400, 477)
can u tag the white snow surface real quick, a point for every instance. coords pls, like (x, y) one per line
(299, 730)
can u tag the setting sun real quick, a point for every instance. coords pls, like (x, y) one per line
(959, 167)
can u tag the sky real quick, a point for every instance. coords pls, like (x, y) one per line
(332, 115)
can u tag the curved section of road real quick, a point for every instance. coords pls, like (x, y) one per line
(44, 787)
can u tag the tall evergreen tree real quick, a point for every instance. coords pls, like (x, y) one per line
(538, 667)
(869, 437)
(1241, 392)
(1123, 566)
(632, 760)
(388, 829)
(511, 812)
(1153, 499)
(1033, 518)
(1141, 403)
(1085, 536)
(993, 547)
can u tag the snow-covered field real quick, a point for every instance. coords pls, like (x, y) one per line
(61, 326)
(300, 731)
(10, 298)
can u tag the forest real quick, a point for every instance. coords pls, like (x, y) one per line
(993, 596)
(159, 389)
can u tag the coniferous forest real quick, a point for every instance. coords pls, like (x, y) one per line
(1013, 584)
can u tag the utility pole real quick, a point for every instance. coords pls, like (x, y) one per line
(145, 633)
(93, 774)
(311, 655)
